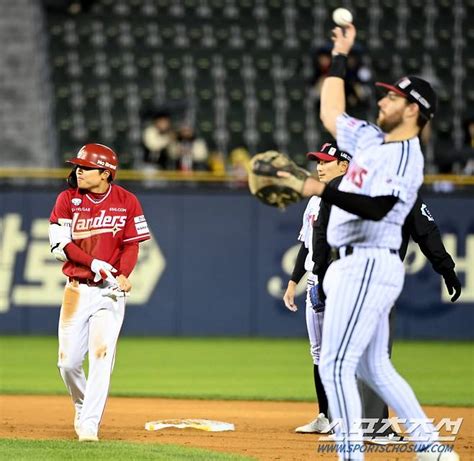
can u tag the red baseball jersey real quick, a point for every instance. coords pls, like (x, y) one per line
(100, 225)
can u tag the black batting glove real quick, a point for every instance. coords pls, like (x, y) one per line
(452, 284)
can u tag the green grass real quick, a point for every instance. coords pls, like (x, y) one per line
(441, 373)
(30, 450)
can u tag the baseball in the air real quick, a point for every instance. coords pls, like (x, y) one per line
(342, 17)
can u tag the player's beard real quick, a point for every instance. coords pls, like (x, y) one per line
(388, 124)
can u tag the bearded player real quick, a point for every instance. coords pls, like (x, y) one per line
(95, 228)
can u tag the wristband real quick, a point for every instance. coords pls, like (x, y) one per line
(338, 66)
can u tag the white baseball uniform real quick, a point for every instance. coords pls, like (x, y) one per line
(314, 320)
(362, 285)
(105, 227)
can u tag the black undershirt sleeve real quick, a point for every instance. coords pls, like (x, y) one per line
(372, 208)
(425, 232)
(433, 248)
(321, 247)
(299, 269)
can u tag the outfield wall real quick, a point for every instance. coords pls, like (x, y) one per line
(217, 266)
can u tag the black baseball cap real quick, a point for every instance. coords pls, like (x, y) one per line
(329, 152)
(416, 90)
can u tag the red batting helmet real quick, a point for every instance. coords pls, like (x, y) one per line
(96, 156)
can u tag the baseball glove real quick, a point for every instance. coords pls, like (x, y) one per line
(270, 188)
(315, 298)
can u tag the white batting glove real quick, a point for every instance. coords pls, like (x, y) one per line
(102, 270)
(114, 293)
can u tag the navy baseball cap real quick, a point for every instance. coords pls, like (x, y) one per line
(416, 90)
(329, 152)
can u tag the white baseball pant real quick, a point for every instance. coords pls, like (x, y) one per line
(314, 322)
(361, 289)
(89, 322)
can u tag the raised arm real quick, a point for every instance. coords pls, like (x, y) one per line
(333, 98)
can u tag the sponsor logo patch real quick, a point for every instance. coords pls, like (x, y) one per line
(139, 219)
(106, 164)
(426, 213)
(142, 226)
(76, 201)
(404, 83)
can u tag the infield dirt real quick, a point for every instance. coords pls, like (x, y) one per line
(263, 430)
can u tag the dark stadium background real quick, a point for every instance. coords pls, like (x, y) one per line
(241, 73)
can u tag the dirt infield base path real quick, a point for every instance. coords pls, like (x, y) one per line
(263, 429)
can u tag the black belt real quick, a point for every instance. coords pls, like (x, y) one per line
(338, 253)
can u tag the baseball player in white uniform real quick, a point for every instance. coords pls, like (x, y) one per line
(95, 229)
(331, 163)
(364, 231)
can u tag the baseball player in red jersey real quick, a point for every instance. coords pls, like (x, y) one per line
(95, 228)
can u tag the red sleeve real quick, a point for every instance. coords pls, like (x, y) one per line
(128, 259)
(77, 255)
(136, 229)
(62, 208)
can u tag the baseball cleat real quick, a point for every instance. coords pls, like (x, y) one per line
(436, 452)
(320, 425)
(88, 436)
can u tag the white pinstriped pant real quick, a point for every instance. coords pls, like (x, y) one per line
(314, 322)
(361, 289)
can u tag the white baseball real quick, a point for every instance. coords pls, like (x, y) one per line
(342, 17)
